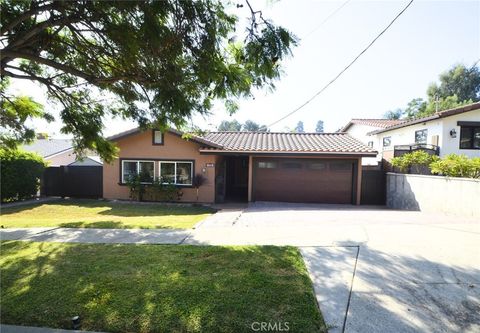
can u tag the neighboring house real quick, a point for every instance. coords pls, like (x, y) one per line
(454, 131)
(359, 129)
(59, 152)
(247, 166)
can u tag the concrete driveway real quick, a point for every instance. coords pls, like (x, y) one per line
(373, 269)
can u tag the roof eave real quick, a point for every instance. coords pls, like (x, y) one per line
(293, 153)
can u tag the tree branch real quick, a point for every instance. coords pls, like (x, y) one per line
(25, 16)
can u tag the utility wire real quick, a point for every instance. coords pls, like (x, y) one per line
(345, 69)
(326, 19)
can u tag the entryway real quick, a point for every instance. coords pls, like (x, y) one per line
(236, 178)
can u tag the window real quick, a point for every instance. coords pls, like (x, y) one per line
(317, 166)
(470, 137)
(340, 166)
(145, 169)
(387, 141)
(421, 136)
(178, 173)
(370, 144)
(157, 137)
(267, 165)
(292, 165)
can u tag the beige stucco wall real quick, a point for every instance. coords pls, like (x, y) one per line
(139, 146)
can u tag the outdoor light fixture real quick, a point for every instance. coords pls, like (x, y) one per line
(76, 322)
(453, 133)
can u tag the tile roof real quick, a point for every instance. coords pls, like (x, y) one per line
(48, 147)
(380, 123)
(440, 114)
(269, 142)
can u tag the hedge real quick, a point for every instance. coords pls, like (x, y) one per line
(20, 174)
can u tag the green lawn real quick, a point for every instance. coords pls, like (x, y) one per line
(156, 288)
(103, 214)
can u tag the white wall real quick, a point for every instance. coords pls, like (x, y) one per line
(451, 145)
(436, 194)
(359, 131)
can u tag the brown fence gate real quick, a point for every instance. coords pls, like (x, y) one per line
(373, 187)
(73, 181)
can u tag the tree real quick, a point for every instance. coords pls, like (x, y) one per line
(251, 126)
(394, 115)
(458, 81)
(319, 127)
(415, 107)
(154, 62)
(231, 126)
(299, 127)
(458, 86)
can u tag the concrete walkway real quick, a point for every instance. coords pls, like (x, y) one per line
(373, 269)
(91, 235)
(29, 329)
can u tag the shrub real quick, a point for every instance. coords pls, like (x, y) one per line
(20, 174)
(414, 162)
(457, 166)
(156, 191)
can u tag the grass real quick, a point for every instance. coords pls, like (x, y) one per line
(103, 214)
(152, 288)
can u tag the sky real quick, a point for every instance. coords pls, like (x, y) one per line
(429, 38)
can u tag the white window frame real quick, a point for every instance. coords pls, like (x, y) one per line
(138, 169)
(175, 168)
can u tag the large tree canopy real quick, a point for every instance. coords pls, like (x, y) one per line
(458, 86)
(155, 62)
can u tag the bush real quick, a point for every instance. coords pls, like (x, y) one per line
(156, 191)
(414, 162)
(20, 174)
(457, 166)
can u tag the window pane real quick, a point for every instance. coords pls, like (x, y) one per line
(317, 166)
(158, 137)
(292, 165)
(386, 141)
(340, 166)
(466, 137)
(146, 172)
(476, 137)
(129, 170)
(267, 165)
(184, 173)
(167, 172)
(421, 136)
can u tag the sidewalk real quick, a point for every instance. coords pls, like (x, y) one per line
(101, 236)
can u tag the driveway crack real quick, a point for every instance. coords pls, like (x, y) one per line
(351, 289)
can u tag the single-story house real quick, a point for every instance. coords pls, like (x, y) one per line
(59, 152)
(453, 131)
(360, 129)
(242, 166)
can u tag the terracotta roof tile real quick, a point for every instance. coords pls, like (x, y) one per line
(287, 142)
(380, 123)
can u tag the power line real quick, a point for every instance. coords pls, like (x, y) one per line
(345, 69)
(326, 19)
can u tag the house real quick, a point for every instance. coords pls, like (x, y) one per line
(454, 131)
(59, 152)
(360, 129)
(246, 166)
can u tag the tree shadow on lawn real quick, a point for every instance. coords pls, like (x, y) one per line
(148, 288)
(123, 209)
(408, 294)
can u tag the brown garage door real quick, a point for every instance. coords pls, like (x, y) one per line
(303, 180)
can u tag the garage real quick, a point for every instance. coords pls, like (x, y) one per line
(288, 167)
(311, 180)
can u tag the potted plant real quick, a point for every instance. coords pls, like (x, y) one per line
(197, 181)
